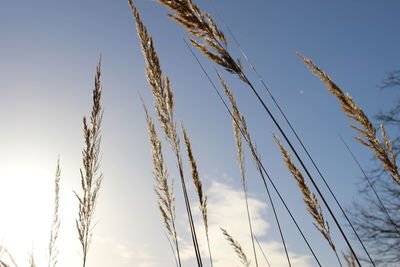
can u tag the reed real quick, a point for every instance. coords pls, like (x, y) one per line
(214, 46)
(32, 260)
(4, 250)
(237, 117)
(163, 188)
(91, 177)
(199, 189)
(55, 226)
(240, 129)
(164, 106)
(309, 198)
(350, 260)
(236, 247)
(383, 150)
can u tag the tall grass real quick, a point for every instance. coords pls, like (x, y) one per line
(91, 177)
(163, 188)
(210, 40)
(55, 226)
(383, 150)
(309, 198)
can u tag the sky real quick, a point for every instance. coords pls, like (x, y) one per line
(48, 54)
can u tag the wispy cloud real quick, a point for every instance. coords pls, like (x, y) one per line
(140, 254)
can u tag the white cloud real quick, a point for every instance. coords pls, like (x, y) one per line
(226, 209)
(139, 253)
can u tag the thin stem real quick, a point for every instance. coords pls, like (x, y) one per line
(262, 251)
(371, 186)
(293, 130)
(247, 81)
(257, 159)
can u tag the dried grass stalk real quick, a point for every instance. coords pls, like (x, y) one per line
(200, 25)
(163, 189)
(350, 260)
(237, 247)
(196, 178)
(55, 227)
(164, 106)
(160, 85)
(239, 126)
(199, 187)
(4, 250)
(309, 198)
(383, 150)
(91, 178)
(32, 260)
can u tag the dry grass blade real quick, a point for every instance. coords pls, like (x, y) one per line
(199, 187)
(309, 198)
(32, 260)
(55, 227)
(383, 150)
(239, 126)
(202, 26)
(262, 251)
(350, 260)
(3, 250)
(160, 84)
(90, 177)
(164, 106)
(196, 178)
(164, 191)
(237, 247)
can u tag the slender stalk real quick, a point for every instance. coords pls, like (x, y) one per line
(262, 251)
(258, 167)
(237, 248)
(372, 187)
(351, 262)
(55, 227)
(214, 46)
(164, 105)
(199, 188)
(309, 198)
(172, 249)
(163, 189)
(263, 83)
(4, 250)
(238, 117)
(32, 260)
(90, 177)
(259, 163)
(304, 167)
(383, 151)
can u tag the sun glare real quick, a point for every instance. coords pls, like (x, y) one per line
(27, 206)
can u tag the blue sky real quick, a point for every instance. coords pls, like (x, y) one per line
(48, 53)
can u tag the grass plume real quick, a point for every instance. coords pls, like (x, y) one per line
(236, 247)
(32, 262)
(350, 260)
(91, 178)
(200, 25)
(189, 16)
(383, 150)
(163, 190)
(199, 188)
(240, 129)
(55, 226)
(238, 122)
(309, 198)
(164, 106)
(4, 250)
